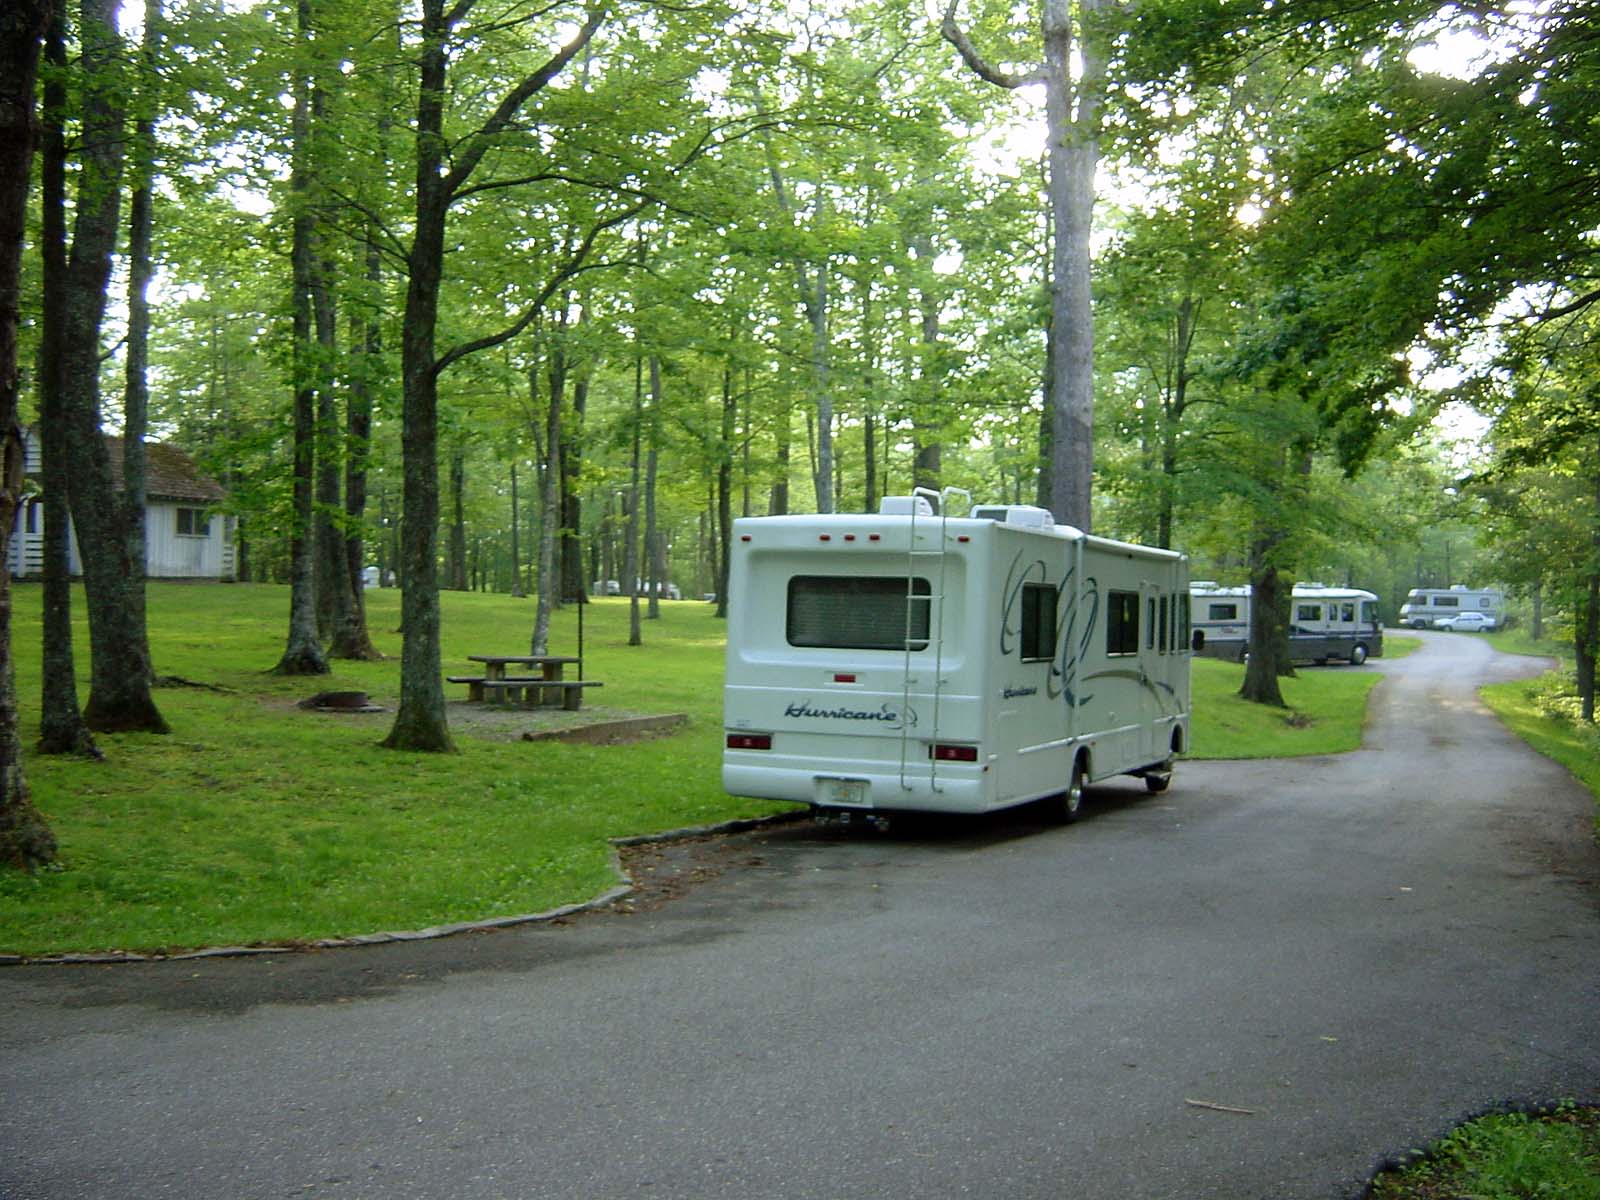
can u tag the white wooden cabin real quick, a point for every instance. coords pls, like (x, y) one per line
(902, 660)
(185, 538)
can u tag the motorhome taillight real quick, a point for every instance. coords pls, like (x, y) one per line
(946, 753)
(844, 678)
(749, 741)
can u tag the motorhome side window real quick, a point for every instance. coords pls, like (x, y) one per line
(1122, 623)
(1161, 641)
(1223, 612)
(1446, 602)
(1347, 612)
(858, 613)
(1369, 611)
(1308, 612)
(1038, 622)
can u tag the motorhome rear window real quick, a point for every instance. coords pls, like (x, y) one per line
(1038, 622)
(858, 612)
(1122, 623)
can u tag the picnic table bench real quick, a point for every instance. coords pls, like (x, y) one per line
(547, 688)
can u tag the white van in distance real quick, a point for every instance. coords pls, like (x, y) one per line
(903, 660)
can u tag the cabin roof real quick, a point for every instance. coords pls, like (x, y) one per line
(172, 474)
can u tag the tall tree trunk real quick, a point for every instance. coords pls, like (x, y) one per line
(783, 434)
(730, 408)
(630, 555)
(119, 678)
(516, 539)
(821, 386)
(351, 637)
(1261, 672)
(302, 653)
(574, 588)
(652, 538)
(457, 548)
(61, 726)
(25, 838)
(136, 392)
(1073, 104)
(420, 723)
(550, 521)
(1586, 622)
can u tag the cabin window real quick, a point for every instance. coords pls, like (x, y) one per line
(1347, 612)
(859, 613)
(192, 522)
(1308, 612)
(1166, 633)
(1038, 622)
(1122, 623)
(1369, 611)
(1446, 602)
(1223, 612)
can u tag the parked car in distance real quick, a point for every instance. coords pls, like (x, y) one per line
(1467, 622)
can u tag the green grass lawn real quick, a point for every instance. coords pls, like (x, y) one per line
(1327, 709)
(255, 821)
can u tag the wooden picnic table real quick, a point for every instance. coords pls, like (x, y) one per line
(549, 687)
(494, 665)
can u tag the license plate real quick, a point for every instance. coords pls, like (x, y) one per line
(842, 791)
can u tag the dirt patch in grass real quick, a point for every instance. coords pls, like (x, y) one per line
(512, 722)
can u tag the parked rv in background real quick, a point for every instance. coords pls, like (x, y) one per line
(903, 660)
(1426, 607)
(1324, 622)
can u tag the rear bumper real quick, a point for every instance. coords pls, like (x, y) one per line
(951, 788)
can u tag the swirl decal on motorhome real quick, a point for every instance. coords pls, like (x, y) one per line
(886, 714)
(1016, 576)
(1072, 646)
(1154, 686)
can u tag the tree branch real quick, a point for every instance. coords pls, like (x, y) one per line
(513, 101)
(957, 37)
(573, 266)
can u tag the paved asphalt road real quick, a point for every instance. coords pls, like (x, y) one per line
(1357, 949)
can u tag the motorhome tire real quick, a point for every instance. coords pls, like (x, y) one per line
(1069, 804)
(1358, 655)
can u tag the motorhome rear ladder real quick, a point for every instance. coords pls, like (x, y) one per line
(935, 601)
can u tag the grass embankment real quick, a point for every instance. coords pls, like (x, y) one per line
(1544, 712)
(255, 821)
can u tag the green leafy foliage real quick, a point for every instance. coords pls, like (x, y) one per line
(1509, 1156)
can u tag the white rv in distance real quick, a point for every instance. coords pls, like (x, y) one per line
(907, 661)
(1324, 622)
(1426, 607)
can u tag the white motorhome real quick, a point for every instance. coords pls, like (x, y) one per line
(1426, 607)
(903, 660)
(1324, 622)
